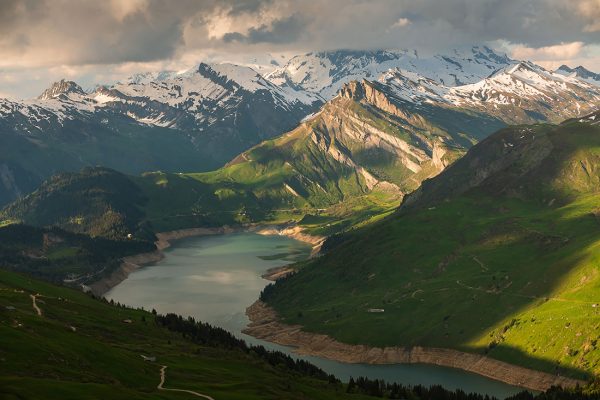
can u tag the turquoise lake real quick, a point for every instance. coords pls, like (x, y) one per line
(214, 279)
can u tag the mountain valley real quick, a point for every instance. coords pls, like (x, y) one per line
(455, 197)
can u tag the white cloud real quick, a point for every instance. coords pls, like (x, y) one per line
(402, 22)
(560, 51)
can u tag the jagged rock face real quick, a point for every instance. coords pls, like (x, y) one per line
(364, 140)
(61, 87)
(377, 97)
(415, 147)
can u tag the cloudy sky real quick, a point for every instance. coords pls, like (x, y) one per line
(93, 42)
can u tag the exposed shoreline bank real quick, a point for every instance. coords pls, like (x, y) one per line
(266, 325)
(164, 239)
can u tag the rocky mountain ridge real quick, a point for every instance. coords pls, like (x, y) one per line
(200, 119)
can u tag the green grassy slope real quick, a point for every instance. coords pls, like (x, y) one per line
(63, 257)
(96, 201)
(44, 357)
(499, 255)
(83, 348)
(26, 159)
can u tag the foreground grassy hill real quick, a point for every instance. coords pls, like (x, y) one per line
(79, 347)
(499, 254)
(59, 343)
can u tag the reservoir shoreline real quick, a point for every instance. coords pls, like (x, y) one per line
(265, 324)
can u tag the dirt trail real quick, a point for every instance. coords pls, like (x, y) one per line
(458, 282)
(162, 382)
(35, 306)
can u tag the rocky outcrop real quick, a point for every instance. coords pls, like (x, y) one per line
(294, 232)
(265, 324)
(61, 87)
(371, 94)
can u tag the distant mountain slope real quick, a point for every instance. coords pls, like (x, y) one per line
(95, 201)
(200, 119)
(525, 93)
(519, 93)
(189, 122)
(579, 72)
(496, 255)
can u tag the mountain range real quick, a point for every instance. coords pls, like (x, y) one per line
(375, 141)
(194, 121)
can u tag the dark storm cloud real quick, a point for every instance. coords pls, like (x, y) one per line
(86, 31)
(89, 38)
(286, 30)
(534, 22)
(247, 6)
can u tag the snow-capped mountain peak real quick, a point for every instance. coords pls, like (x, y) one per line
(326, 72)
(242, 76)
(527, 87)
(579, 72)
(147, 77)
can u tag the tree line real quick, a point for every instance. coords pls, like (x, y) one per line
(208, 335)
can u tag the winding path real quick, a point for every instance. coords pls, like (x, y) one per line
(35, 306)
(162, 382)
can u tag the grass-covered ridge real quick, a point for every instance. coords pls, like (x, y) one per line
(96, 201)
(80, 347)
(499, 254)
